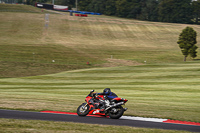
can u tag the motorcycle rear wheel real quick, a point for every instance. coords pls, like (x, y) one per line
(83, 109)
(118, 114)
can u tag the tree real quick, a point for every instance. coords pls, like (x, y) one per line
(149, 10)
(135, 9)
(187, 41)
(121, 8)
(175, 11)
(83, 5)
(99, 5)
(196, 11)
(110, 7)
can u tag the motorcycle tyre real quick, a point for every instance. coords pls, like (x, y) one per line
(119, 113)
(86, 112)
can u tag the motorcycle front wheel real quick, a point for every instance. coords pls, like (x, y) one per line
(83, 109)
(116, 113)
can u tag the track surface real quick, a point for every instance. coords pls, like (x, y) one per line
(94, 120)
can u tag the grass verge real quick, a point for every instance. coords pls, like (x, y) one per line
(32, 126)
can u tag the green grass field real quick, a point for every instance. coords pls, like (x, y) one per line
(33, 126)
(163, 91)
(46, 69)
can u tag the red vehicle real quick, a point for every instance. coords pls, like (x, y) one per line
(100, 105)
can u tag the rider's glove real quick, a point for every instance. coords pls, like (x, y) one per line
(94, 94)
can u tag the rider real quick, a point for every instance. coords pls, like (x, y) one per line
(108, 93)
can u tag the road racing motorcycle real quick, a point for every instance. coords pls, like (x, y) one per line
(101, 105)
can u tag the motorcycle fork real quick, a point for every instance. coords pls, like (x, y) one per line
(85, 105)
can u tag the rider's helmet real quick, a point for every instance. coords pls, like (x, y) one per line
(106, 91)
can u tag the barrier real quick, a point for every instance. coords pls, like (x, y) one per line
(84, 12)
(81, 15)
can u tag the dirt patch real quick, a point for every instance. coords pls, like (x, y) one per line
(119, 62)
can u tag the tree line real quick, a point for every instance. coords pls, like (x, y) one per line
(172, 11)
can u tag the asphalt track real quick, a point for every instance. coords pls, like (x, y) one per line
(13, 114)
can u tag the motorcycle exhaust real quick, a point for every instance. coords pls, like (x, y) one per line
(117, 104)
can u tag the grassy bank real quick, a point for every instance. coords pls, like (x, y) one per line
(27, 45)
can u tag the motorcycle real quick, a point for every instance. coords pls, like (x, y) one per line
(101, 105)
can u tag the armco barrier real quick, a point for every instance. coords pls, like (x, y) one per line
(84, 12)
